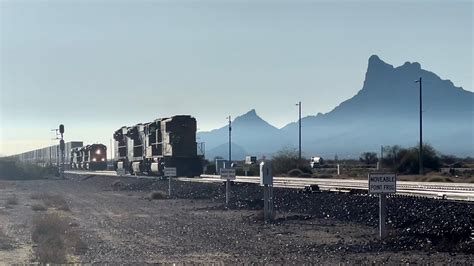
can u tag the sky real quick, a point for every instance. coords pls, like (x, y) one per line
(98, 65)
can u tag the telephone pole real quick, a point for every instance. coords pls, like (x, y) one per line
(420, 171)
(299, 130)
(230, 140)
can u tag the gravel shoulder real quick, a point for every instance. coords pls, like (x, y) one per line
(120, 224)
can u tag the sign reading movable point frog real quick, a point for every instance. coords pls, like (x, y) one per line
(228, 173)
(382, 183)
(170, 171)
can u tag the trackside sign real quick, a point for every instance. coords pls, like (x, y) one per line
(382, 183)
(228, 173)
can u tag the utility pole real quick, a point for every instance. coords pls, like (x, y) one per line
(299, 131)
(420, 170)
(227, 183)
(230, 140)
(381, 156)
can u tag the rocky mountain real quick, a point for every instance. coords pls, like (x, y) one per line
(249, 132)
(223, 151)
(384, 112)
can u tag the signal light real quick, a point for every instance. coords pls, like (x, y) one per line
(61, 145)
(61, 128)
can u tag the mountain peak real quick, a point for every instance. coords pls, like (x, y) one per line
(411, 66)
(250, 113)
(376, 63)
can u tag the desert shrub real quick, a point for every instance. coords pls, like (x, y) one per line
(210, 169)
(295, 172)
(56, 201)
(369, 158)
(52, 201)
(15, 170)
(286, 160)
(158, 195)
(406, 161)
(5, 241)
(323, 176)
(38, 207)
(436, 179)
(12, 200)
(48, 233)
(55, 239)
(305, 175)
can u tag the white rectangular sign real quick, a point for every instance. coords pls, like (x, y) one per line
(228, 174)
(170, 171)
(382, 183)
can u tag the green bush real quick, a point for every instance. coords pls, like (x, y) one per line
(15, 170)
(406, 161)
(286, 160)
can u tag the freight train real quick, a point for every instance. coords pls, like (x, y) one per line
(90, 157)
(47, 156)
(147, 148)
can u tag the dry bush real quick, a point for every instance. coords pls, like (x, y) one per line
(55, 239)
(48, 233)
(38, 207)
(5, 241)
(4, 185)
(12, 200)
(56, 201)
(75, 242)
(52, 201)
(158, 195)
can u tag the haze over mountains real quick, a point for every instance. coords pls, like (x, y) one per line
(384, 112)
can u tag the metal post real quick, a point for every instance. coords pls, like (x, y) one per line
(111, 154)
(299, 131)
(270, 209)
(230, 141)
(381, 156)
(169, 186)
(227, 192)
(420, 157)
(266, 197)
(338, 170)
(382, 216)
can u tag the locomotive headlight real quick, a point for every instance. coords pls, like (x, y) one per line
(94, 159)
(103, 159)
(97, 152)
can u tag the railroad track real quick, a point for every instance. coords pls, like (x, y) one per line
(450, 191)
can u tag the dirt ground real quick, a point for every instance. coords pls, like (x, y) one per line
(125, 226)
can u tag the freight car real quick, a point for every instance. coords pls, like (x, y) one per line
(47, 156)
(166, 142)
(90, 157)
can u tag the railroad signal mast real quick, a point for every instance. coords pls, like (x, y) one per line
(61, 147)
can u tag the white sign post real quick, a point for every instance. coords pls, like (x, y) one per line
(227, 174)
(266, 180)
(382, 184)
(170, 172)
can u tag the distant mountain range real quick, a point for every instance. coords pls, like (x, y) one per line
(384, 112)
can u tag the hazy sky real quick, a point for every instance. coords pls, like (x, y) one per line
(98, 65)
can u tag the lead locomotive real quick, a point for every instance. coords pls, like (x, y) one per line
(167, 142)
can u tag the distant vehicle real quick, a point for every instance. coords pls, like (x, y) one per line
(316, 161)
(250, 159)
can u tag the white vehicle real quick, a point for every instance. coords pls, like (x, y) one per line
(316, 161)
(250, 159)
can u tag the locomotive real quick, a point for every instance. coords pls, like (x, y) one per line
(147, 148)
(90, 157)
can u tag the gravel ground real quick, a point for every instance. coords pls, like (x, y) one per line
(120, 224)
